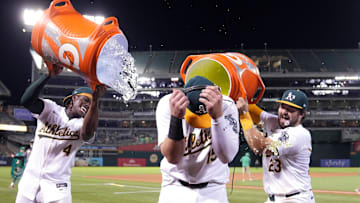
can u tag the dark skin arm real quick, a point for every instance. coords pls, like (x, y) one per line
(174, 150)
(30, 99)
(91, 118)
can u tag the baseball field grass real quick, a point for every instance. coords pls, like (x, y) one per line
(142, 184)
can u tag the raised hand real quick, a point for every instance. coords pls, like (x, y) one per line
(99, 91)
(242, 105)
(178, 103)
(212, 98)
(54, 70)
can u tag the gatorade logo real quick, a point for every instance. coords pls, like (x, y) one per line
(69, 55)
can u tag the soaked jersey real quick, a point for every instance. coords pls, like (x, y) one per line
(287, 171)
(57, 139)
(200, 163)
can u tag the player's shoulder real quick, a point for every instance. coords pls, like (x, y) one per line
(50, 103)
(300, 132)
(164, 99)
(163, 103)
(227, 100)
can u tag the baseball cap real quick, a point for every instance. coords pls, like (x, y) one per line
(196, 114)
(294, 98)
(21, 148)
(79, 91)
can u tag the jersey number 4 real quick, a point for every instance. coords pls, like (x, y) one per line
(67, 150)
(275, 165)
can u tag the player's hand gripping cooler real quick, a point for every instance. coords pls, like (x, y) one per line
(99, 53)
(236, 74)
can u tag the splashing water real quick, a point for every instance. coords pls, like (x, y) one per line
(116, 68)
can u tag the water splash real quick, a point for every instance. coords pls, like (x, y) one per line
(116, 67)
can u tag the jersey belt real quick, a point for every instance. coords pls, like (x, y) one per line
(193, 186)
(272, 196)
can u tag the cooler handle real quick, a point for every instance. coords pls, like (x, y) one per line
(107, 24)
(261, 94)
(185, 66)
(57, 6)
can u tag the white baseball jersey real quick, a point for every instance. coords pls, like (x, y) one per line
(286, 172)
(200, 162)
(57, 140)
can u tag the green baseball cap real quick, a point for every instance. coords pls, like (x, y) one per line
(79, 91)
(196, 114)
(21, 148)
(294, 98)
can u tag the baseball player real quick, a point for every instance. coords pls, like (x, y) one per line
(286, 150)
(59, 134)
(198, 132)
(17, 167)
(245, 161)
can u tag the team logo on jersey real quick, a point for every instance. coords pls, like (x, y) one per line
(284, 137)
(290, 96)
(232, 122)
(55, 131)
(194, 143)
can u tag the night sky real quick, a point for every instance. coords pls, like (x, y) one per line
(193, 24)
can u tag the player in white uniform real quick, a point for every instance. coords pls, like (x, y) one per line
(286, 150)
(59, 134)
(197, 147)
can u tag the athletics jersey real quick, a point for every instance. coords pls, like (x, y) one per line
(287, 171)
(57, 140)
(200, 163)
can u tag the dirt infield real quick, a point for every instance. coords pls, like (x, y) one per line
(156, 178)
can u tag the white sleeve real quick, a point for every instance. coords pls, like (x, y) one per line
(225, 132)
(270, 122)
(163, 118)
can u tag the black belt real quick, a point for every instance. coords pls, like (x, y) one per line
(193, 186)
(272, 197)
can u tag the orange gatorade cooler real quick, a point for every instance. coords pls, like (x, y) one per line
(236, 74)
(99, 53)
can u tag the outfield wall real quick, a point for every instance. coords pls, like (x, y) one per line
(325, 154)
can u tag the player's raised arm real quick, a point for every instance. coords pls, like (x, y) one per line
(91, 117)
(225, 128)
(30, 98)
(173, 146)
(255, 139)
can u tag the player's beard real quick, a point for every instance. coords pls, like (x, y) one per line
(290, 122)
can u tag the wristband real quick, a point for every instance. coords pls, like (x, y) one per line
(176, 130)
(246, 121)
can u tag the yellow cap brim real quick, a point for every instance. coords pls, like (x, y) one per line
(85, 94)
(197, 121)
(69, 96)
(289, 103)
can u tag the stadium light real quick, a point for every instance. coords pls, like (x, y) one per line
(8, 127)
(31, 16)
(96, 19)
(175, 79)
(355, 77)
